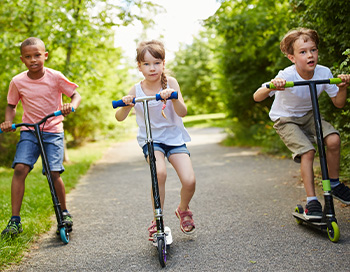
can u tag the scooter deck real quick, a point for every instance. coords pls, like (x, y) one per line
(315, 223)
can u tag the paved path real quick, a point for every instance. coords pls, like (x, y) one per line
(242, 209)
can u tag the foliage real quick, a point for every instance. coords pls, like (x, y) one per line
(79, 37)
(196, 69)
(249, 54)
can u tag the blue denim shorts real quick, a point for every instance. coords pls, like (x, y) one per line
(167, 150)
(28, 150)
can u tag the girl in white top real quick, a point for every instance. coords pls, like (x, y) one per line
(168, 132)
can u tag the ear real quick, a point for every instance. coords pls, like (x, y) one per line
(46, 55)
(291, 58)
(139, 66)
(22, 59)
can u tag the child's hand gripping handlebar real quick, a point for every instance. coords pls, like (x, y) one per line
(120, 103)
(56, 113)
(306, 82)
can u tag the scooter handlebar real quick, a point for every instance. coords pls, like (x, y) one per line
(120, 103)
(289, 84)
(56, 113)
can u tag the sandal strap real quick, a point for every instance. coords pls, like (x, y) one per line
(187, 223)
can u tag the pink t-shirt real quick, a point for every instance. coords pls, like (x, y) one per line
(41, 97)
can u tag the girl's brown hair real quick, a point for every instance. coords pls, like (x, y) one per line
(157, 50)
(289, 39)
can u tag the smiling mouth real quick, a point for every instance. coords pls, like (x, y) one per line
(311, 62)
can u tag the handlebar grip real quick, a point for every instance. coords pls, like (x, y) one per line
(58, 113)
(174, 95)
(13, 126)
(120, 103)
(287, 85)
(335, 80)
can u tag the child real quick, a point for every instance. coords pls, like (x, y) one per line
(168, 132)
(40, 90)
(292, 113)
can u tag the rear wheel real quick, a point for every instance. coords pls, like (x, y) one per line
(299, 209)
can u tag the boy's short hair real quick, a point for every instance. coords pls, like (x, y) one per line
(289, 39)
(32, 41)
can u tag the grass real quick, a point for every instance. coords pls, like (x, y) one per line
(37, 208)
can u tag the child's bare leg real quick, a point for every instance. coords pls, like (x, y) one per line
(161, 176)
(332, 142)
(307, 172)
(18, 186)
(60, 190)
(183, 166)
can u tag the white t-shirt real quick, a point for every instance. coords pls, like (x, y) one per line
(296, 101)
(170, 131)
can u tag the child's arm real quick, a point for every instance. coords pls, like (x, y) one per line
(262, 93)
(123, 112)
(340, 99)
(179, 104)
(10, 114)
(74, 103)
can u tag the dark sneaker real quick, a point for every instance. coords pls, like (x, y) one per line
(313, 210)
(13, 227)
(68, 221)
(342, 193)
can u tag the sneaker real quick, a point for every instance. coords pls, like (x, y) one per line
(342, 193)
(67, 221)
(313, 210)
(14, 227)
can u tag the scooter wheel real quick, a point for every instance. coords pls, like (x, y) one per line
(161, 252)
(64, 235)
(333, 232)
(299, 209)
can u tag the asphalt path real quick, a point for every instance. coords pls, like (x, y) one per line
(242, 209)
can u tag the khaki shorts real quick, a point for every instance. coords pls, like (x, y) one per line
(299, 134)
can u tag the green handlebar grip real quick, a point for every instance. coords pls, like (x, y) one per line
(336, 80)
(287, 85)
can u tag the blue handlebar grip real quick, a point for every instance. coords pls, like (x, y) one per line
(58, 113)
(173, 95)
(13, 126)
(120, 103)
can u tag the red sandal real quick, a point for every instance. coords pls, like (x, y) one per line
(185, 223)
(152, 230)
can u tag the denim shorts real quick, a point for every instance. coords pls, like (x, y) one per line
(167, 150)
(28, 150)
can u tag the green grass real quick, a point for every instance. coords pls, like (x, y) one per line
(206, 120)
(37, 208)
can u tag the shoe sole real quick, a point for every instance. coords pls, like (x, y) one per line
(341, 200)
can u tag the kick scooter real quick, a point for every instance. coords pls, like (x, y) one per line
(161, 239)
(328, 221)
(61, 226)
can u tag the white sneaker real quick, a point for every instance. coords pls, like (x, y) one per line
(168, 237)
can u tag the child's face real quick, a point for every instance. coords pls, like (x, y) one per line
(151, 67)
(305, 57)
(34, 56)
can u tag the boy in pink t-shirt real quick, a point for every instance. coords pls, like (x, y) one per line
(40, 91)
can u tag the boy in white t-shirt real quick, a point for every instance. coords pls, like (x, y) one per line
(292, 113)
(40, 91)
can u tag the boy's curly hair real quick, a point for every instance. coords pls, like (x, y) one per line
(289, 39)
(32, 41)
(157, 50)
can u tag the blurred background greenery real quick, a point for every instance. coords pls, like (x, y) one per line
(236, 52)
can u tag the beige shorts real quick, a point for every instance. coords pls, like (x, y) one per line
(299, 134)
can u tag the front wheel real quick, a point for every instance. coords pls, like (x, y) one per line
(333, 232)
(161, 252)
(299, 209)
(64, 235)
